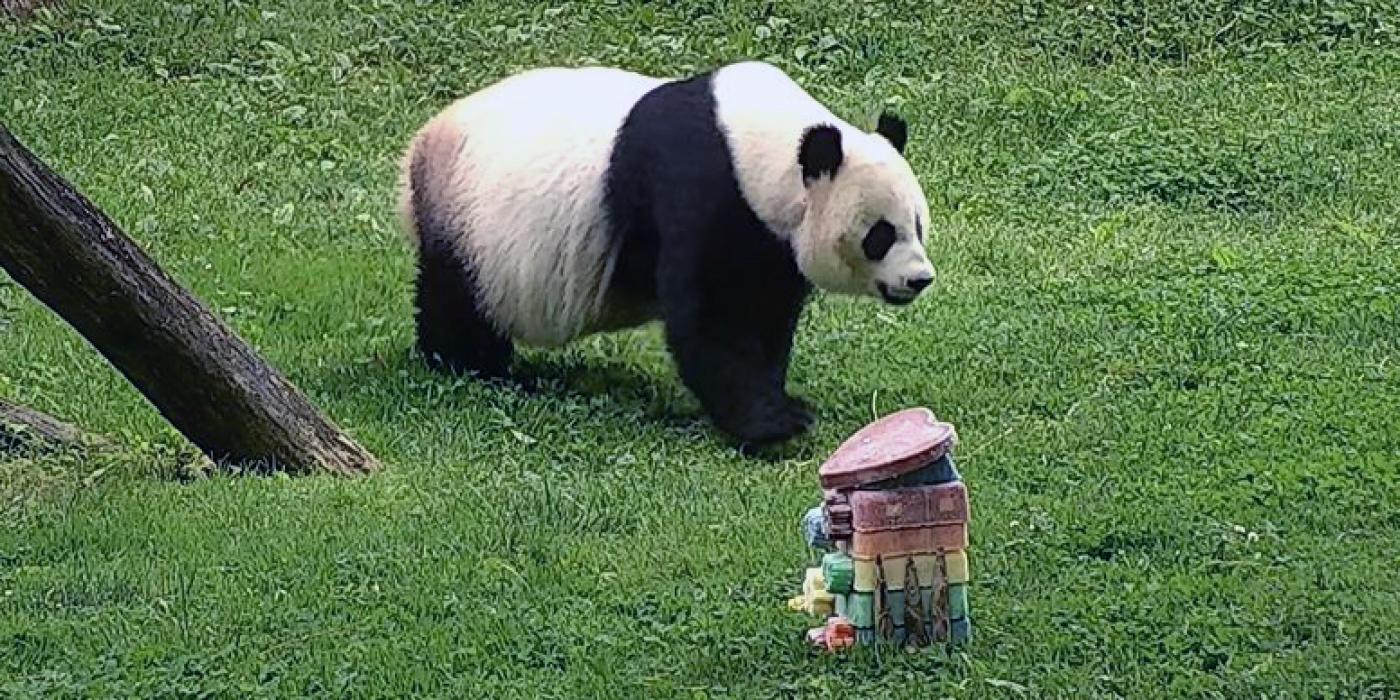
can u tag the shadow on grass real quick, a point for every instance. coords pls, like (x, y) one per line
(665, 403)
(627, 394)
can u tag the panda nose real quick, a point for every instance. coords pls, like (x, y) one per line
(918, 283)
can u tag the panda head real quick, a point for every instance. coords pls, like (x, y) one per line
(863, 229)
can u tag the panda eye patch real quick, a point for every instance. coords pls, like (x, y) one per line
(878, 241)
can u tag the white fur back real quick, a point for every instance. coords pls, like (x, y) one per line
(521, 165)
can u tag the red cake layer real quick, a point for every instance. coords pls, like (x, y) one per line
(912, 506)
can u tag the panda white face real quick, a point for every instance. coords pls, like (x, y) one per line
(898, 266)
(864, 230)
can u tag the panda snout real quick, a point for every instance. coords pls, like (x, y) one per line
(906, 291)
(918, 284)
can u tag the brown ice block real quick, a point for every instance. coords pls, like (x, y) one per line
(893, 543)
(914, 506)
(892, 446)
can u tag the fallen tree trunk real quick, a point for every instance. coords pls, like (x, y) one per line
(201, 376)
(21, 426)
(21, 9)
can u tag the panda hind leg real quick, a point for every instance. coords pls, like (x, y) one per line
(453, 334)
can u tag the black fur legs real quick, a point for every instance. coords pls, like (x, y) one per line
(738, 387)
(452, 333)
(732, 350)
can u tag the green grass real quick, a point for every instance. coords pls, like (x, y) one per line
(1167, 327)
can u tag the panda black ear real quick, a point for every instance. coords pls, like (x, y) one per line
(820, 153)
(894, 130)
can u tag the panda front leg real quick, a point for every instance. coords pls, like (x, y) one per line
(776, 331)
(733, 356)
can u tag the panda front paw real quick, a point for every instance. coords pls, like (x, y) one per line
(772, 422)
(801, 411)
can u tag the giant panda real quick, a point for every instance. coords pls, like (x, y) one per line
(562, 202)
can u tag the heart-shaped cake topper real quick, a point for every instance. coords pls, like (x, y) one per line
(891, 446)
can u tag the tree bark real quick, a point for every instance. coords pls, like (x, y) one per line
(201, 376)
(21, 426)
(21, 9)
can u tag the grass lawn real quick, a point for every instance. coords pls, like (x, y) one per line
(1167, 326)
